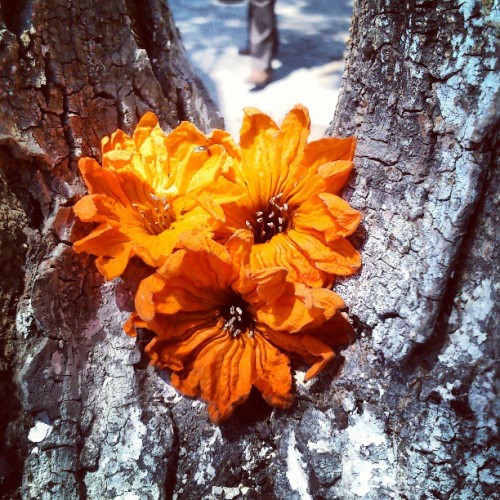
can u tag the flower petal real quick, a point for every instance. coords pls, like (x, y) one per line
(95, 208)
(261, 158)
(145, 127)
(221, 372)
(271, 284)
(191, 282)
(306, 346)
(273, 373)
(101, 181)
(315, 345)
(337, 257)
(328, 214)
(280, 251)
(187, 152)
(224, 139)
(239, 247)
(105, 239)
(112, 267)
(327, 178)
(144, 302)
(292, 138)
(329, 149)
(202, 243)
(181, 352)
(299, 308)
(133, 322)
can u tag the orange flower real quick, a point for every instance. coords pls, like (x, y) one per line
(221, 328)
(291, 203)
(150, 189)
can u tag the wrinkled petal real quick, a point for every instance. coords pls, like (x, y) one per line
(112, 267)
(315, 346)
(328, 214)
(193, 282)
(96, 208)
(181, 352)
(274, 378)
(221, 372)
(300, 307)
(271, 284)
(101, 181)
(308, 347)
(337, 257)
(295, 130)
(280, 251)
(329, 178)
(261, 159)
(329, 149)
(239, 247)
(104, 240)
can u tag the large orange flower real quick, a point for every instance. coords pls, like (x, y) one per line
(151, 188)
(222, 328)
(291, 203)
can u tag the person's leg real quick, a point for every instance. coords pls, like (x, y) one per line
(263, 34)
(245, 49)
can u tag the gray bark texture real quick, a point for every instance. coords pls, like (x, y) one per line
(409, 412)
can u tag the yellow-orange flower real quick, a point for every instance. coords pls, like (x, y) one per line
(151, 188)
(222, 328)
(291, 203)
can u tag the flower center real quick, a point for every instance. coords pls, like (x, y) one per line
(269, 220)
(157, 216)
(237, 319)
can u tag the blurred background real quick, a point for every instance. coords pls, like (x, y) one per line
(308, 68)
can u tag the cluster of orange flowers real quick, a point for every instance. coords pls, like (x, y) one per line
(244, 241)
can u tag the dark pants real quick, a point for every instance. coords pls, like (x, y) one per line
(262, 33)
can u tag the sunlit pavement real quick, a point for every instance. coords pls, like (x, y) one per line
(308, 68)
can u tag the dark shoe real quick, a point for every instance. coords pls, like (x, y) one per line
(244, 51)
(260, 78)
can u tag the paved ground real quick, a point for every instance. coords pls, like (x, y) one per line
(308, 68)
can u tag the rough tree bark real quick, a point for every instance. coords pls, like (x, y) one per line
(72, 72)
(409, 413)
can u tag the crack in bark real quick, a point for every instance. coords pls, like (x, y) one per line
(171, 478)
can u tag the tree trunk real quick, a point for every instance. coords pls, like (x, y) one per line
(409, 413)
(80, 419)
